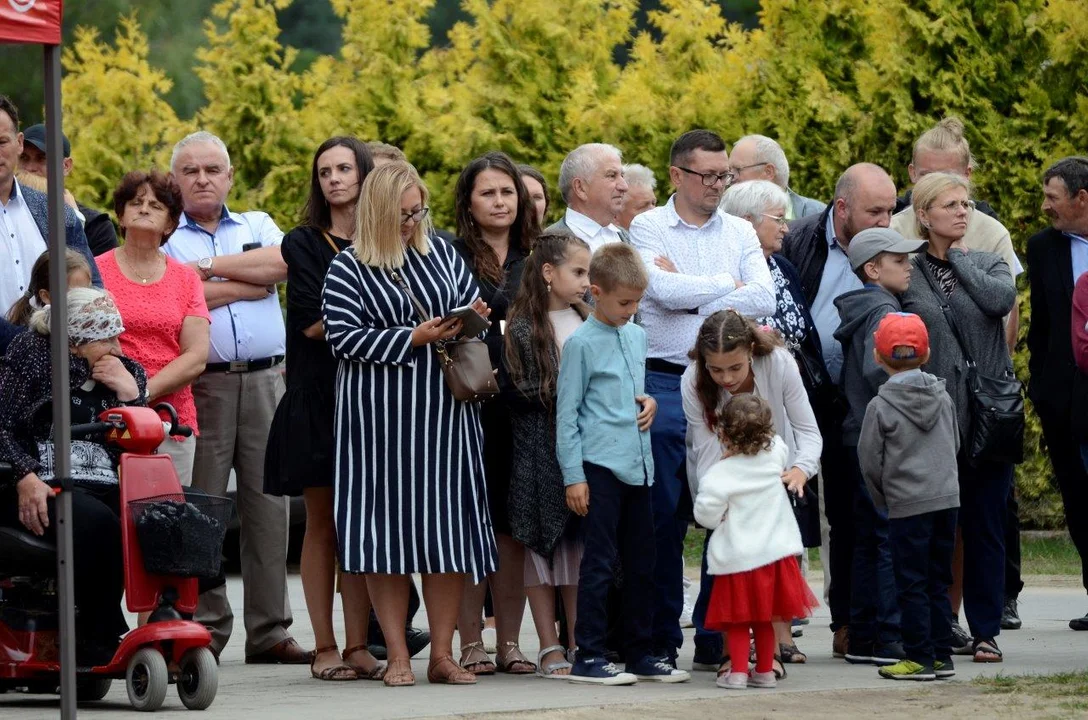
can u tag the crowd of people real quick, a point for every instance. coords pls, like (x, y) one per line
(787, 373)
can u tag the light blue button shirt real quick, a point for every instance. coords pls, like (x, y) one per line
(837, 279)
(602, 370)
(243, 330)
(1078, 247)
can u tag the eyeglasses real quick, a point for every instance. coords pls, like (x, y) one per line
(779, 219)
(737, 170)
(709, 179)
(968, 205)
(417, 216)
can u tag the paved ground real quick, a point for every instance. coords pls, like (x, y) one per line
(1045, 645)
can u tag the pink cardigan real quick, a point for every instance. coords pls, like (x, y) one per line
(1080, 323)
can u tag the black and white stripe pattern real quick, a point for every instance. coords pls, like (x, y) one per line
(410, 493)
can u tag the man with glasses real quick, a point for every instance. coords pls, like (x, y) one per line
(700, 261)
(758, 157)
(238, 258)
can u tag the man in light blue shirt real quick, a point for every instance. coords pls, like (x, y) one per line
(238, 257)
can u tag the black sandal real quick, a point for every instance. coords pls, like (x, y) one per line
(779, 669)
(986, 647)
(790, 654)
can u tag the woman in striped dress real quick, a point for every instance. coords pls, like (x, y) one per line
(410, 493)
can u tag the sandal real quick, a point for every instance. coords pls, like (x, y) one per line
(790, 654)
(451, 673)
(399, 673)
(550, 671)
(335, 673)
(375, 673)
(982, 648)
(725, 667)
(779, 668)
(475, 660)
(512, 661)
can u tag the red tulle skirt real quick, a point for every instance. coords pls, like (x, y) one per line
(772, 592)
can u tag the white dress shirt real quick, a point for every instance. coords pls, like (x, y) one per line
(588, 229)
(709, 260)
(247, 329)
(21, 244)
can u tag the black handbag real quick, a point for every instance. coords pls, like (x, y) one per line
(997, 403)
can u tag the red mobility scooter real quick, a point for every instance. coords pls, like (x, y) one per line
(160, 578)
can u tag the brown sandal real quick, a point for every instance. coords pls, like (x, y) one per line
(474, 659)
(375, 673)
(399, 674)
(451, 673)
(335, 673)
(512, 661)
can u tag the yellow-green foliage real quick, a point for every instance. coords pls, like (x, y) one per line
(835, 81)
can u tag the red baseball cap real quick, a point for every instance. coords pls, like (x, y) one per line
(901, 336)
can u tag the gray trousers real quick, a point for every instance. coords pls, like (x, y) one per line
(235, 411)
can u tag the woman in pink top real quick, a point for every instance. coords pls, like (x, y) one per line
(161, 302)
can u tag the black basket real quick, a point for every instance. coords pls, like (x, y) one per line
(182, 534)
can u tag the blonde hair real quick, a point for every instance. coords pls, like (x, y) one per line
(617, 265)
(377, 233)
(928, 189)
(945, 136)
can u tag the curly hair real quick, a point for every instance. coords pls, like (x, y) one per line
(746, 424)
(163, 186)
(723, 332)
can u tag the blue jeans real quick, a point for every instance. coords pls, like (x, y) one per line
(922, 546)
(874, 611)
(670, 481)
(618, 523)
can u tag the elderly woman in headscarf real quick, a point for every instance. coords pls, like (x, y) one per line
(100, 378)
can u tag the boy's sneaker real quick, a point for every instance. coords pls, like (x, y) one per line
(888, 654)
(859, 652)
(962, 643)
(652, 669)
(797, 628)
(762, 680)
(944, 669)
(733, 681)
(598, 671)
(907, 670)
(706, 661)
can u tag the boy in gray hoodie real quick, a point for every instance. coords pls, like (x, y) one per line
(881, 259)
(907, 451)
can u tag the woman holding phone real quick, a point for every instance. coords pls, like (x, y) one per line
(497, 225)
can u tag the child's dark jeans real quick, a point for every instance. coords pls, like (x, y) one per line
(620, 520)
(922, 546)
(874, 613)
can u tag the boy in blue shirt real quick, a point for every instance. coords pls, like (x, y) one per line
(603, 418)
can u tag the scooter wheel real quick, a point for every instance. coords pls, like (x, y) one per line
(198, 680)
(90, 689)
(146, 679)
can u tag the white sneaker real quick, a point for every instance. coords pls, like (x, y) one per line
(490, 640)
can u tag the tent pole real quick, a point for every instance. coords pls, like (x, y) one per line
(62, 411)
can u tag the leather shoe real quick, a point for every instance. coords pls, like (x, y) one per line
(1080, 623)
(415, 638)
(285, 652)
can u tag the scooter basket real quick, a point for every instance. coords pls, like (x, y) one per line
(182, 534)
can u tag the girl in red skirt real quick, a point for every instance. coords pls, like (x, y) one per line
(755, 540)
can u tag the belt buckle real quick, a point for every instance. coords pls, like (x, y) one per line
(238, 366)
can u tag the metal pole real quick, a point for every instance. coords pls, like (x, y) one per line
(62, 411)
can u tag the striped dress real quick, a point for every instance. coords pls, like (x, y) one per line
(410, 494)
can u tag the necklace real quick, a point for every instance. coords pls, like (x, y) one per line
(132, 267)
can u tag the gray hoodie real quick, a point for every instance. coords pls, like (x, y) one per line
(860, 311)
(908, 446)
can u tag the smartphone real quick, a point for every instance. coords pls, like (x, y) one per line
(472, 322)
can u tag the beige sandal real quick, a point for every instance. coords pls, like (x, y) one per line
(475, 660)
(509, 658)
(334, 673)
(375, 673)
(451, 673)
(399, 674)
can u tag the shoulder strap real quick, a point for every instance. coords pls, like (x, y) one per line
(923, 265)
(399, 280)
(328, 239)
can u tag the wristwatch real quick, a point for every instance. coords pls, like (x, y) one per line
(204, 264)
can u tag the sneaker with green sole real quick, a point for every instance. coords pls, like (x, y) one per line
(907, 670)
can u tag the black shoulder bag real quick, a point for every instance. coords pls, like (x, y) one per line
(997, 403)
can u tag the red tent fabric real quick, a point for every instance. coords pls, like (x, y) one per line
(30, 21)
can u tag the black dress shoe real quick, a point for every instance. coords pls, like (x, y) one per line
(1010, 615)
(415, 638)
(1080, 623)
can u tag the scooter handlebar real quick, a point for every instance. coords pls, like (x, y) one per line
(85, 429)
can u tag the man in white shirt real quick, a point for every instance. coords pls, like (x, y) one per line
(591, 182)
(238, 257)
(700, 261)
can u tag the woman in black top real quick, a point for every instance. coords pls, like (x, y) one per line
(300, 446)
(497, 226)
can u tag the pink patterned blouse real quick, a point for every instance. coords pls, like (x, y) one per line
(153, 315)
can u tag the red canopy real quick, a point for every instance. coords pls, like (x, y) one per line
(30, 21)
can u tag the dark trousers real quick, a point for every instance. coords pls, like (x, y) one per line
(708, 643)
(874, 612)
(97, 564)
(1069, 472)
(838, 485)
(922, 548)
(1014, 583)
(670, 483)
(618, 523)
(984, 496)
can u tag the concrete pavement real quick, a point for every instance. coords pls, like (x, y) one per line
(1044, 645)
